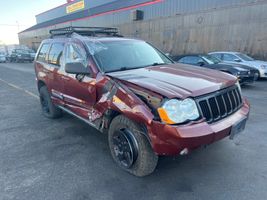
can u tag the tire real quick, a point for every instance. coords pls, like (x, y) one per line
(145, 160)
(49, 110)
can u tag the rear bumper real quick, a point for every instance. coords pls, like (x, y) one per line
(171, 140)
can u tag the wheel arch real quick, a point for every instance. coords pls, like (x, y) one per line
(111, 114)
(40, 84)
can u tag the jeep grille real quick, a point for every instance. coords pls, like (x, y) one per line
(218, 105)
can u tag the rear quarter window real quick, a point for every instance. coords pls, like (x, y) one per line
(42, 53)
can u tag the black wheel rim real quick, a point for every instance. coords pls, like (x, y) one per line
(44, 104)
(125, 148)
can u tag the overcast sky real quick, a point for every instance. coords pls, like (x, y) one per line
(17, 15)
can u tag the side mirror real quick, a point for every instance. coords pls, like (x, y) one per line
(167, 54)
(201, 63)
(237, 60)
(76, 68)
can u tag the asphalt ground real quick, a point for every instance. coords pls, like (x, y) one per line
(66, 159)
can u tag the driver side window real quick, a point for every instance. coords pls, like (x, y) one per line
(193, 60)
(75, 53)
(229, 57)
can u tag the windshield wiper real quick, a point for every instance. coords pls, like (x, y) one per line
(158, 64)
(130, 68)
(123, 69)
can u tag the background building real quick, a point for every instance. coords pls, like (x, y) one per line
(175, 26)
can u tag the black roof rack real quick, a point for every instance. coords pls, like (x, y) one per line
(85, 31)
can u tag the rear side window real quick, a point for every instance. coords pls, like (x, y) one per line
(55, 53)
(43, 52)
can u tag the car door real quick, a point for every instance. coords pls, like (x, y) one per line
(52, 71)
(79, 90)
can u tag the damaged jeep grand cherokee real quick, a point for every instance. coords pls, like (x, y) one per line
(148, 105)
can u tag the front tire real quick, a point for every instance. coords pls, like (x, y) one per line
(130, 148)
(256, 76)
(49, 110)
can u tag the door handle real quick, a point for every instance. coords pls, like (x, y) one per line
(65, 78)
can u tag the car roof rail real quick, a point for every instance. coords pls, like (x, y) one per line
(85, 31)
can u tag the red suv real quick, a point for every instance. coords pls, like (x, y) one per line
(149, 105)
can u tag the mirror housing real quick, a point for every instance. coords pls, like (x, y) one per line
(237, 60)
(77, 68)
(167, 54)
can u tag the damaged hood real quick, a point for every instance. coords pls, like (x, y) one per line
(176, 80)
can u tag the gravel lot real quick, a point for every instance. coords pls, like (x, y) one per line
(67, 159)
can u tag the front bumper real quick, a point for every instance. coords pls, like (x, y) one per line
(25, 58)
(171, 140)
(263, 73)
(247, 79)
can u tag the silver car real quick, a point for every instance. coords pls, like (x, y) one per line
(236, 57)
(2, 57)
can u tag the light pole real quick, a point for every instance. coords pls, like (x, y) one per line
(17, 25)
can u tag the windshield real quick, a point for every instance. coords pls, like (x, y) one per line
(22, 51)
(125, 55)
(211, 59)
(244, 57)
(31, 51)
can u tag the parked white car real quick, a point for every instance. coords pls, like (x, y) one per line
(2, 57)
(237, 57)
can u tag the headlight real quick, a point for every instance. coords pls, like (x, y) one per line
(178, 111)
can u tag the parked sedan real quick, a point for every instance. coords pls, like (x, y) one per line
(240, 58)
(32, 53)
(20, 55)
(245, 74)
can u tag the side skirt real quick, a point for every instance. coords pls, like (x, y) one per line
(94, 125)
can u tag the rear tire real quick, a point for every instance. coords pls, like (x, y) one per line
(142, 160)
(49, 110)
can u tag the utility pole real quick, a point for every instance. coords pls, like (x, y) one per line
(17, 25)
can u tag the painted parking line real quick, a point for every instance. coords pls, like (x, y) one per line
(20, 89)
